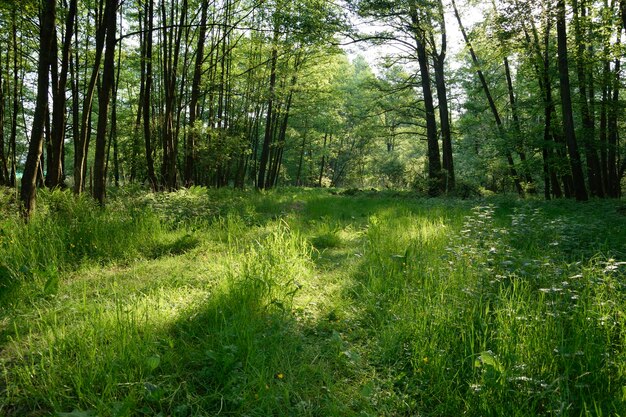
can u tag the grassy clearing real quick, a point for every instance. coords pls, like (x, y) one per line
(305, 303)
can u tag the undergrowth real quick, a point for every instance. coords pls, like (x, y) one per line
(309, 303)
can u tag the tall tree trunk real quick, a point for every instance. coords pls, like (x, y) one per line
(323, 164)
(566, 103)
(516, 125)
(613, 133)
(104, 97)
(302, 150)
(113, 136)
(75, 92)
(442, 98)
(46, 157)
(147, 129)
(28, 193)
(171, 52)
(82, 144)
(194, 108)
(282, 135)
(604, 110)
(492, 104)
(435, 186)
(4, 174)
(551, 138)
(265, 151)
(54, 176)
(588, 131)
(16, 99)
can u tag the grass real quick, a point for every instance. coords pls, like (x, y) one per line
(307, 303)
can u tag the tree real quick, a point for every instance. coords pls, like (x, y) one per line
(411, 27)
(104, 97)
(566, 104)
(28, 192)
(490, 100)
(439, 58)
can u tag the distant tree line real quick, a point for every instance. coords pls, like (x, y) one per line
(173, 93)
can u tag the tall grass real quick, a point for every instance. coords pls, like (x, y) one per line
(67, 232)
(305, 303)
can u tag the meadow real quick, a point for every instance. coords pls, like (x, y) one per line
(312, 302)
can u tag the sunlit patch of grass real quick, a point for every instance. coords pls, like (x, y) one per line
(327, 234)
(301, 302)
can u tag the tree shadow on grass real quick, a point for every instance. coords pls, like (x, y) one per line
(173, 247)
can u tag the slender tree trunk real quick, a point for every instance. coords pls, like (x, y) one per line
(265, 151)
(108, 81)
(171, 51)
(113, 133)
(55, 170)
(492, 104)
(46, 157)
(194, 108)
(551, 138)
(436, 185)
(323, 164)
(282, 133)
(548, 138)
(16, 99)
(612, 161)
(82, 145)
(4, 174)
(588, 131)
(134, 157)
(302, 150)
(566, 103)
(147, 129)
(29, 179)
(516, 125)
(604, 110)
(75, 92)
(442, 98)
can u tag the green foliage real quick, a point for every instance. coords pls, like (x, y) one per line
(68, 232)
(302, 302)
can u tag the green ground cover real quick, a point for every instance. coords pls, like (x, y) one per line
(311, 303)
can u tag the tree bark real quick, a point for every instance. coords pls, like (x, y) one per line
(435, 186)
(265, 150)
(588, 131)
(147, 129)
(442, 98)
(54, 176)
(194, 108)
(104, 97)
(578, 176)
(323, 164)
(516, 125)
(4, 174)
(612, 160)
(28, 193)
(16, 98)
(82, 144)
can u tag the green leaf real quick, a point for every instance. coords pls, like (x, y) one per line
(488, 359)
(153, 362)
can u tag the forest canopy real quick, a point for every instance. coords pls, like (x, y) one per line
(521, 97)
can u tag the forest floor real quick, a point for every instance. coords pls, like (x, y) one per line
(312, 303)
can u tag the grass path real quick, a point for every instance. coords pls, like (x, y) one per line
(309, 304)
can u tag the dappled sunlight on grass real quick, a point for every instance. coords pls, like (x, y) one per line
(305, 303)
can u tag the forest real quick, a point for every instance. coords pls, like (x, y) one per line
(169, 94)
(312, 208)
